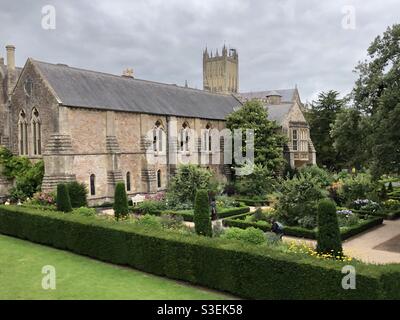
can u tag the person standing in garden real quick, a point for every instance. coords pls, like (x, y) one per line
(214, 215)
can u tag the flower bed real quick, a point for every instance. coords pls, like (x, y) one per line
(346, 232)
(250, 271)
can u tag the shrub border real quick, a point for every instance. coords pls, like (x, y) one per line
(248, 271)
(237, 221)
(230, 212)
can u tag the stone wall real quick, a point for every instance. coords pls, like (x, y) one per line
(110, 144)
(42, 99)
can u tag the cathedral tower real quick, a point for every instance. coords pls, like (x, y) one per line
(221, 72)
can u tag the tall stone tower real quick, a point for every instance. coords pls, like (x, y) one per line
(221, 72)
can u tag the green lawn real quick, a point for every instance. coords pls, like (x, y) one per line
(79, 277)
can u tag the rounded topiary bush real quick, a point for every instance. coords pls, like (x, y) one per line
(120, 207)
(202, 219)
(329, 240)
(63, 200)
(77, 194)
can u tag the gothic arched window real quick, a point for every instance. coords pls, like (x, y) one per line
(23, 133)
(184, 139)
(158, 137)
(159, 179)
(128, 181)
(36, 132)
(207, 146)
(92, 185)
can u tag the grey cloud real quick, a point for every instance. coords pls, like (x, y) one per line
(280, 44)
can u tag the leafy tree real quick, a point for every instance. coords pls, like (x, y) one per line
(377, 94)
(320, 118)
(63, 200)
(268, 139)
(349, 137)
(121, 209)
(187, 180)
(202, 214)
(328, 238)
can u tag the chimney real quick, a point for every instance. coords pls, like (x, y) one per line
(10, 57)
(128, 73)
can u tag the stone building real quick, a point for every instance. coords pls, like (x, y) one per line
(285, 107)
(100, 128)
(9, 74)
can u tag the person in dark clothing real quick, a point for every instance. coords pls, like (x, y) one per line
(214, 215)
(277, 228)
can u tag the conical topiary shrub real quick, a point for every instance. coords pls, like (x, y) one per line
(202, 219)
(329, 240)
(120, 207)
(63, 200)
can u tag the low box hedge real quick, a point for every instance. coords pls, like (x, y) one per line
(253, 202)
(188, 214)
(238, 221)
(249, 271)
(385, 214)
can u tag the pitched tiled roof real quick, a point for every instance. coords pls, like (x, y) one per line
(278, 112)
(286, 94)
(89, 89)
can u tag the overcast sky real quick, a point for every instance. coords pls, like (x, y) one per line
(280, 43)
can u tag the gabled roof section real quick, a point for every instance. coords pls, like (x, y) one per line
(288, 95)
(278, 112)
(89, 89)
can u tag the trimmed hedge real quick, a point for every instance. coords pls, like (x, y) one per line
(249, 271)
(187, 215)
(63, 200)
(202, 214)
(385, 214)
(328, 234)
(345, 233)
(77, 194)
(253, 202)
(120, 207)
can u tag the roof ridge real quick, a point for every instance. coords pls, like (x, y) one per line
(260, 91)
(129, 79)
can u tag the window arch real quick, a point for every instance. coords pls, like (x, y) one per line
(158, 132)
(23, 133)
(207, 138)
(128, 181)
(92, 185)
(36, 132)
(184, 137)
(159, 179)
